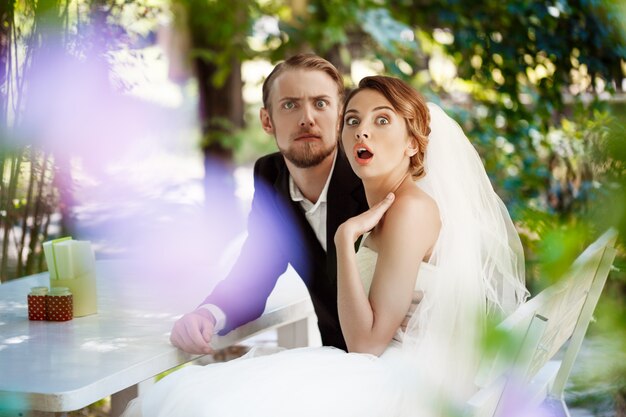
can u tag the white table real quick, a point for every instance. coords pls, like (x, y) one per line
(65, 366)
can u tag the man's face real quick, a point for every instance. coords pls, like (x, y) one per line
(304, 116)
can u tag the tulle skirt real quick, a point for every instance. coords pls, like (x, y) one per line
(316, 382)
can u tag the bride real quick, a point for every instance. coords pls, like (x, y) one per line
(437, 254)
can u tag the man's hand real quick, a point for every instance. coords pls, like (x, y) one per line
(193, 332)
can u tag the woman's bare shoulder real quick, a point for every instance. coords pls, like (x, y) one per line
(414, 203)
(411, 224)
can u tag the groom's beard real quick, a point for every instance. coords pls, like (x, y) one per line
(307, 154)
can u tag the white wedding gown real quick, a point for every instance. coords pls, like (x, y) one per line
(312, 382)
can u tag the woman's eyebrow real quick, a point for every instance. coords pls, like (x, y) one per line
(374, 109)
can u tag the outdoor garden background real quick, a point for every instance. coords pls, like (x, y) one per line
(134, 124)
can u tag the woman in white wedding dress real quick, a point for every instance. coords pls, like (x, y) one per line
(438, 253)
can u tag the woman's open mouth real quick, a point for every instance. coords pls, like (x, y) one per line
(362, 154)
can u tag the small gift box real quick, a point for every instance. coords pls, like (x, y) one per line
(59, 304)
(37, 303)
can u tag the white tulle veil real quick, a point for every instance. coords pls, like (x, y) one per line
(479, 259)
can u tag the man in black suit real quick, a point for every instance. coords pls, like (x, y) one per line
(302, 194)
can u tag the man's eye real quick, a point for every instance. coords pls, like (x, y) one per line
(382, 120)
(352, 121)
(289, 105)
(321, 104)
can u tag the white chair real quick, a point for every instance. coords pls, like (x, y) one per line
(559, 313)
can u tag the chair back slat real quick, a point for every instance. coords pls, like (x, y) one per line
(563, 302)
(584, 318)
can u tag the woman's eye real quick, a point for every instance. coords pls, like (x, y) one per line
(382, 120)
(289, 105)
(352, 121)
(321, 104)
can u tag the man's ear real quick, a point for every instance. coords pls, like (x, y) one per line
(266, 121)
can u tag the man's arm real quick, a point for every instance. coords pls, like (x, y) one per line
(243, 294)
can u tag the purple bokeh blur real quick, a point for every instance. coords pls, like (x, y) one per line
(134, 183)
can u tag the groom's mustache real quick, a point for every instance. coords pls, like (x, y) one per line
(306, 133)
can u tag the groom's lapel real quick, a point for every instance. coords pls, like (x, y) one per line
(291, 212)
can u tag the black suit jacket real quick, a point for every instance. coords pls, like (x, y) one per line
(278, 235)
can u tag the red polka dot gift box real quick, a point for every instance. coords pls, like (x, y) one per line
(59, 304)
(37, 303)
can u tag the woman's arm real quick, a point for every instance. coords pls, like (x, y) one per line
(408, 233)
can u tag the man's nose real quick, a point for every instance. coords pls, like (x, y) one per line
(306, 118)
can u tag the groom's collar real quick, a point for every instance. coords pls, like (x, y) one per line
(342, 182)
(297, 196)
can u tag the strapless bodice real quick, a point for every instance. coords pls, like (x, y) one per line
(366, 262)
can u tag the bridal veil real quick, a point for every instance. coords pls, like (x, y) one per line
(479, 258)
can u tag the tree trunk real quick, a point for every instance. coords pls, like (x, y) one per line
(64, 183)
(221, 113)
(620, 403)
(334, 57)
(219, 104)
(6, 26)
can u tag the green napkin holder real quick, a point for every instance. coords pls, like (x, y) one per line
(72, 264)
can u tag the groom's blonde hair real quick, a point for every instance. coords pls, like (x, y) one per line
(310, 62)
(409, 104)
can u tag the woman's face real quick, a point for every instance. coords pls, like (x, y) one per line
(374, 136)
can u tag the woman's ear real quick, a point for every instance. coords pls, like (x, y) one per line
(266, 121)
(412, 147)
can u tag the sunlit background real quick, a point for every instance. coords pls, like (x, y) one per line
(134, 124)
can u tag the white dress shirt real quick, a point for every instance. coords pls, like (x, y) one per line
(315, 213)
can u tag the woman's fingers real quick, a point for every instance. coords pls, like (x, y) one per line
(356, 226)
(371, 217)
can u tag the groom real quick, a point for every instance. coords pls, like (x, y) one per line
(302, 194)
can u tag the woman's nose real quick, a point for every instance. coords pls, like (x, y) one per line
(362, 135)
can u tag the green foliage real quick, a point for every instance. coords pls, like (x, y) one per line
(519, 45)
(609, 161)
(388, 33)
(252, 140)
(321, 25)
(218, 32)
(521, 62)
(500, 343)
(221, 134)
(558, 248)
